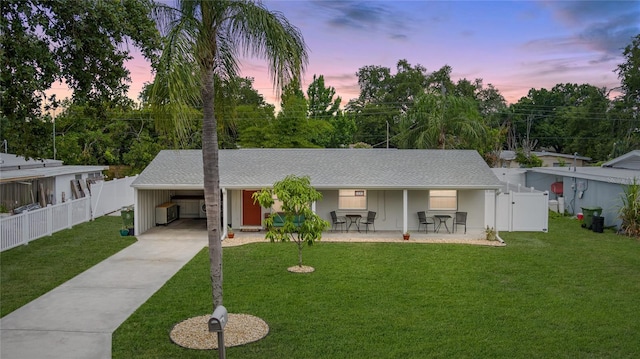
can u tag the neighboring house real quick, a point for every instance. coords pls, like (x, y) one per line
(549, 159)
(394, 183)
(590, 186)
(552, 159)
(26, 182)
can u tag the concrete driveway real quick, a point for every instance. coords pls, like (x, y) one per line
(76, 319)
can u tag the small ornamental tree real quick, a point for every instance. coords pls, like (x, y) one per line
(301, 224)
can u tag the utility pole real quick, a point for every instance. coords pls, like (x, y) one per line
(53, 119)
(387, 134)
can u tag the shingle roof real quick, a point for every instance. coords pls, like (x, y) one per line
(327, 168)
(630, 160)
(10, 162)
(602, 174)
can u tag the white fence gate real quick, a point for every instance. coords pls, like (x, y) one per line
(523, 211)
(106, 197)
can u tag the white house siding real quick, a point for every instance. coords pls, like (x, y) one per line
(388, 206)
(145, 202)
(597, 194)
(473, 202)
(63, 187)
(235, 208)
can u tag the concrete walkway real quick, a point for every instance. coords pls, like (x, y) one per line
(76, 319)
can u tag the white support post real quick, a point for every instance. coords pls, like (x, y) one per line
(137, 223)
(49, 215)
(225, 221)
(70, 214)
(405, 200)
(25, 227)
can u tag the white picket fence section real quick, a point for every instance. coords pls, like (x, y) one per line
(522, 209)
(106, 197)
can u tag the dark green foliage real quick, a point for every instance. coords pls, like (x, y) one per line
(629, 72)
(527, 160)
(82, 43)
(321, 102)
(630, 210)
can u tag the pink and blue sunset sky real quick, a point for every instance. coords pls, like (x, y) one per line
(514, 45)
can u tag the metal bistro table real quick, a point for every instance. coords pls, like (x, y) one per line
(442, 218)
(353, 219)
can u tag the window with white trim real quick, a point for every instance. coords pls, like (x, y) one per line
(352, 199)
(443, 200)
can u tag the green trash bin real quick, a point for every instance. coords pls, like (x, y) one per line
(127, 217)
(589, 213)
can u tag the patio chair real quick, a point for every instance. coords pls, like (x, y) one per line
(371, 217)
(423, 219)
(460, 219)
(337, 222)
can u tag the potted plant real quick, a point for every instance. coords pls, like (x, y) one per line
(491, 233)
(230, 233)
(124, 231)
(406, 236)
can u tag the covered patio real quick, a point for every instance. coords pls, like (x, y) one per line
(196, 229)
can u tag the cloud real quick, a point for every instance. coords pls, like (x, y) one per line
(611, 36)
(603, 26)
(579, 12)
(559, 66)
(366, 16)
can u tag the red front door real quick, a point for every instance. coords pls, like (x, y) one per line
(251, 212)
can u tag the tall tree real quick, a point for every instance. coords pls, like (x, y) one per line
(629, 71)
(440, 121)
(625, 114)
(203, 40)
(82, 43)
(383, 98)
(291, 129)
(322, 103)
(568, 118)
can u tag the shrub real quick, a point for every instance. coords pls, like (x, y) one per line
(630, 210)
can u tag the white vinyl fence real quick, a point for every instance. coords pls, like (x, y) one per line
(106, 197)
(110, 196)
(522, 209)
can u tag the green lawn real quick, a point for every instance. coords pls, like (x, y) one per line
(27, 272)
(570, 293)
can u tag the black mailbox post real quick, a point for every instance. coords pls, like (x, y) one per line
(216, 324)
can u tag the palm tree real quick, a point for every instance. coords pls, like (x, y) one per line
(441, 121)
(203, 40)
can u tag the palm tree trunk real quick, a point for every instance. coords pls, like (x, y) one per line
(211, 184)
